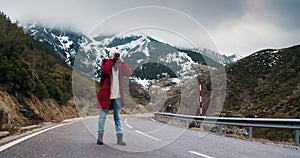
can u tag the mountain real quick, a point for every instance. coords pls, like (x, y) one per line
(35, 83)
(136, 49)
(64, 41)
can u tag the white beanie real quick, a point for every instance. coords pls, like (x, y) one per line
(113, 50)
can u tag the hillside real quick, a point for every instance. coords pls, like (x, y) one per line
(35, 83)
(265, 84)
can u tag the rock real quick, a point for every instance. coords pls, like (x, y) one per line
(4, 134)
(29, 127)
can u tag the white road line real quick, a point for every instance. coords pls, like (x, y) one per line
(8, 145)
(199, 154)
(152, 119)
(148, 135)
(128, 125)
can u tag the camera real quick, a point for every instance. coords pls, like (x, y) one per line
(117, 55)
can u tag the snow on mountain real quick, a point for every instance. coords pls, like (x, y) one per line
(267, 57)
(144, 83)
(222, 59)
(66, 42)
(136, 49)
(234, 58)
(181, 59)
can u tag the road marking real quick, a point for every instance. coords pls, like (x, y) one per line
(148, 135)
(153, 119)
(8, 145)
(200, 154)
(127, 123)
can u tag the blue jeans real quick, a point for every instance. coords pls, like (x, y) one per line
(117, 108)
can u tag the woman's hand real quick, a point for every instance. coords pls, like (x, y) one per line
(120, 60)
(112, 55)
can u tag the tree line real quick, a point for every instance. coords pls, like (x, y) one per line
(28, 66)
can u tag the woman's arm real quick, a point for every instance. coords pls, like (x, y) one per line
(106, 66)
(125, 70)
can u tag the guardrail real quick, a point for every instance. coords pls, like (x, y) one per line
(246, 122)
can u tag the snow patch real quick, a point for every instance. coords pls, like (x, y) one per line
(145, 83)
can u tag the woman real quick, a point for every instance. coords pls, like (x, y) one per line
(111, 93)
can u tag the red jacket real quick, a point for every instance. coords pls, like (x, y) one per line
(106, 78)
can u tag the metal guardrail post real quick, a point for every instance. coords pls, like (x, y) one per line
(172, 122)
(250, 132)
(297, 136)
(187, 123)
(157, 117)
(178, 122)
(221, 129)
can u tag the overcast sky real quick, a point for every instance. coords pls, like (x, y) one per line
(234, 26)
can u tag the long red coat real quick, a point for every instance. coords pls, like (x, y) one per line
(106, 77)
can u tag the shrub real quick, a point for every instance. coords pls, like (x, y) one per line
(41, 91)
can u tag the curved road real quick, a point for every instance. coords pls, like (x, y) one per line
(144, 137)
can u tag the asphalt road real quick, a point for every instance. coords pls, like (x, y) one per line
(144, 138)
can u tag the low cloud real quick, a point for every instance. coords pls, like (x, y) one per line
(236, 26)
